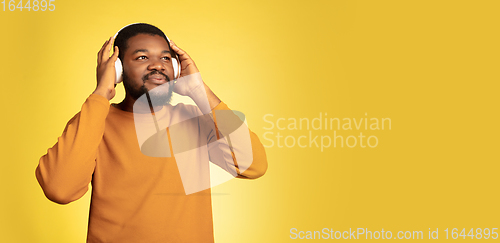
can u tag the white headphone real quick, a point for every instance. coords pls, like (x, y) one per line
(119, 67)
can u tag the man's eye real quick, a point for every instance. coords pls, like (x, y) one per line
(166, 58)
(141, 58)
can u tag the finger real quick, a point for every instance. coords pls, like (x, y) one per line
(111, 42)
(115, 55)
(105, 55)
(104, 45)
(174, 46)
(178, 50)
(182, 54)
(99, 54)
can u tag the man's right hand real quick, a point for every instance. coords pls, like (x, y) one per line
(106, 74)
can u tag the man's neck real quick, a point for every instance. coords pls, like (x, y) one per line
(127, 105)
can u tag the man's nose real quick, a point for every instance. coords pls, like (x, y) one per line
(156, 65)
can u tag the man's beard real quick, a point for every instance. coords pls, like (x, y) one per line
(160, 96)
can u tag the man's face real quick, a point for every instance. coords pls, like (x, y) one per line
(147, 64)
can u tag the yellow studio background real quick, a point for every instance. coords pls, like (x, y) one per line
(431, 67)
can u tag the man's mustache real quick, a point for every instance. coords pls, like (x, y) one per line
(146, 77)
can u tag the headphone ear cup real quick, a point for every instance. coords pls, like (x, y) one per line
(119, 71)
(175, 64)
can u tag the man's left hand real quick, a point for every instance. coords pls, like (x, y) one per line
(190, 83)
(187, 82)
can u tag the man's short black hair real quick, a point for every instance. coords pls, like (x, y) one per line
(133, 30)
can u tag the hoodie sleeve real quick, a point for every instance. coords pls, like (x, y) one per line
(234, 147)
(65, 172)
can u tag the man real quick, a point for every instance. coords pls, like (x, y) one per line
(138, 197)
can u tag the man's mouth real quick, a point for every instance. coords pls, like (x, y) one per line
(157, 78)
